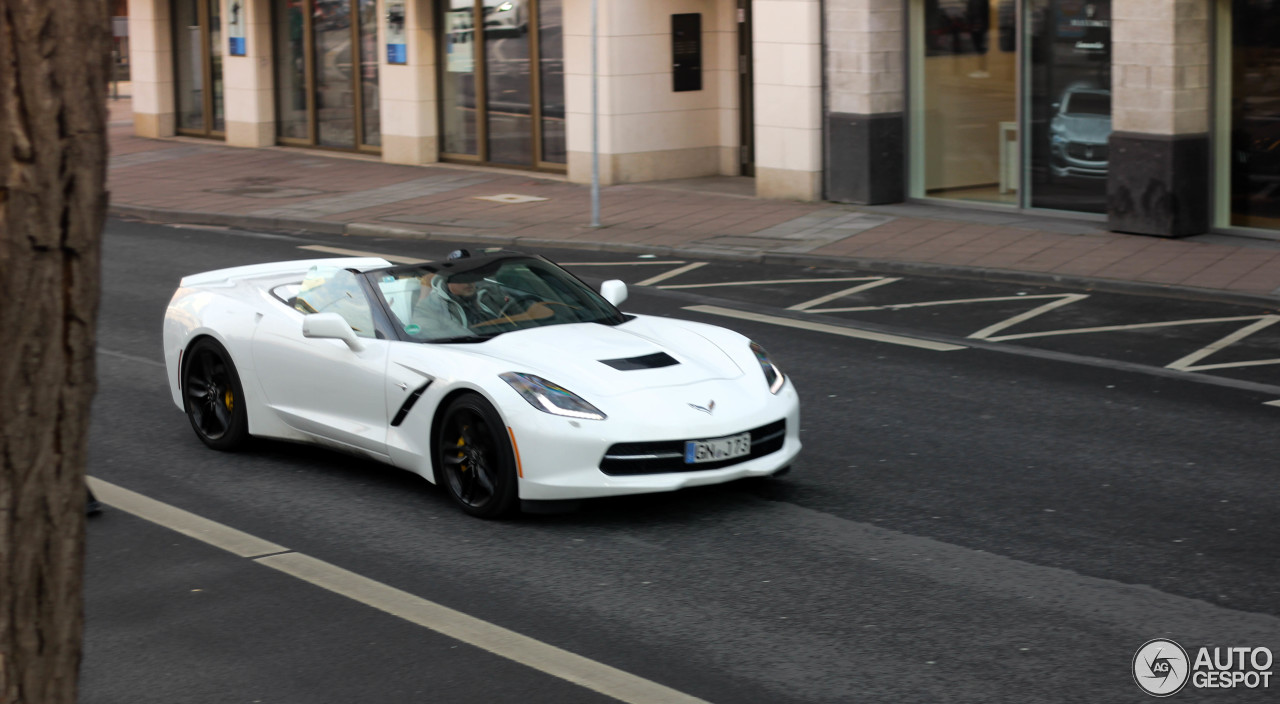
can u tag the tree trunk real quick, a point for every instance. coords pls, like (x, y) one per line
(54, 57)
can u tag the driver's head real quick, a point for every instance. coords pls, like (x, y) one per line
(465, 289)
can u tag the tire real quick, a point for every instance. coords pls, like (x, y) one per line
(477, 465)
(213, 397)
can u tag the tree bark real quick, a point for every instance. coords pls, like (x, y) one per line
(54, 58)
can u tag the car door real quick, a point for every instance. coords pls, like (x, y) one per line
(324, 387)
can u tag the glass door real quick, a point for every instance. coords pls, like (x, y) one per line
(197, 53)
(1248, 92)
(1011, 102)
(502, 82)
(1068, 104)
(327, 91)
(965, 100)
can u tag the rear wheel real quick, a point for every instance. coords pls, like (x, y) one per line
(477, 465)
(213, 397)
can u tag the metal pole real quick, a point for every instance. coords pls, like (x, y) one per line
(595, 119)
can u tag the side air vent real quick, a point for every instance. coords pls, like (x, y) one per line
(656, 360)
(408, 404)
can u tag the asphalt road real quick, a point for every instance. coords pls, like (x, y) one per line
(1002, 523)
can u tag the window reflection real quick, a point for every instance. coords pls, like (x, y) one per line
(1070, 104)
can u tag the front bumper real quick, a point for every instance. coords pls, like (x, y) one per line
(561, 458)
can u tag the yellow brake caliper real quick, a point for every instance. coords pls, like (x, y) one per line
(461, 455)
(229, 400)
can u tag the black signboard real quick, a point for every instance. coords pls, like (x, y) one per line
(686, 52)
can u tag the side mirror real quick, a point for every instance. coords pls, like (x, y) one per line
(330, 326)
(614, 291)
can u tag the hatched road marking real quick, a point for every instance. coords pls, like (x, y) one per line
(673, 273)
(540, 656)
(1188, 363)
(832, 329)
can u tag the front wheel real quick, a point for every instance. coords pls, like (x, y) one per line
(475, 458)
(213, 398)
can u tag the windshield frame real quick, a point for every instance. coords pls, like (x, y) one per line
(477, 266)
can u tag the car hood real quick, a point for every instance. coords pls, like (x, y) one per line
(1086, 129)
(576, 355)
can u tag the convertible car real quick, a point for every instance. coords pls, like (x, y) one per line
(500, 376)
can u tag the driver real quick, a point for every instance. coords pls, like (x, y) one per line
(451, 307)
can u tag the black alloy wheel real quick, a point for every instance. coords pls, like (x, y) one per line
(213, 397)
(475, 458)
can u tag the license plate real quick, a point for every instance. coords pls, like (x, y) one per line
(717, 449)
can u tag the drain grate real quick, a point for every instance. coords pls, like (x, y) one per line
(511, 198)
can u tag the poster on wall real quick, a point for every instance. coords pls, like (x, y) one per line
(396, 51)
(235, 27)
(1070, 67)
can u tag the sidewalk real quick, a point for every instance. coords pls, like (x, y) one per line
(204, 181)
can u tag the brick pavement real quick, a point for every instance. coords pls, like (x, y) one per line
(203, 180)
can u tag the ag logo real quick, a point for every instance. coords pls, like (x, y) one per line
(1161, 667)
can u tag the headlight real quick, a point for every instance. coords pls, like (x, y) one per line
(772, 374)
(551, 398)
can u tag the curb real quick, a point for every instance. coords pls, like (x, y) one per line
(887, 266)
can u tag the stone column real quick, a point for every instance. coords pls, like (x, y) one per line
(247, 81)
(786, 39)
(865, 100)
(1159, 175)
(410, 125)
(648, 131)
(151, 68)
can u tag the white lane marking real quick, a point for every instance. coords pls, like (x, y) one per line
(532, 653)
(671, 274)
(540, 656)
(1063, 300)
(1188, 363)
(360, 253)
(1119, 328)
(808, 305)
(189, 524)
(131, 357)
(646, 262)
(832, 329)
(772, 281)
(1271, 403)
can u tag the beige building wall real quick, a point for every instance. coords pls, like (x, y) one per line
(788, 98)
(1160, 66)
(247, 81)
(410, 121)
(151, 68)
(647, 130)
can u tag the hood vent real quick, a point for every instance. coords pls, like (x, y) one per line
(649, 361)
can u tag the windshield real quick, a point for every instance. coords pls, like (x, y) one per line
(465, 303)
(1088, 103)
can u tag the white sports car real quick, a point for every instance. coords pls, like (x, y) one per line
(501, 376)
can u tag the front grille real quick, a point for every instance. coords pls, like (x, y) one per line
(1088, 152)
(628, 458)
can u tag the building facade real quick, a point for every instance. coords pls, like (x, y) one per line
(1161, 117)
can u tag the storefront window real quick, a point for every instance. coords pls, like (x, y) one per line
(197, 36)
(502, 82)
(965, 90)
(551, 51)
(1254, 114)
(1069, 106)
(458, 78)
(327, 73)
